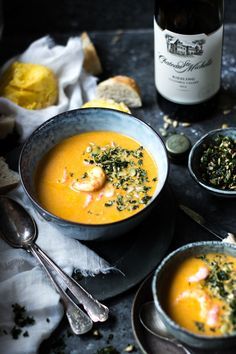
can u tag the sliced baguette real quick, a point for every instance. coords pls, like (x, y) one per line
(120, 89)
(92, 62)
(106, 104)
(8, 179)
(7, 124)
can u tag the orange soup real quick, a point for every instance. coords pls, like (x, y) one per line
(202, 295)
(96, 178)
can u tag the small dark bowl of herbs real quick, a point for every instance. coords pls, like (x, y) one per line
(212, 162)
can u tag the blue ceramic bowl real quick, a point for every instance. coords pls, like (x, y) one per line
(160, 286)
(83, 120)
(195, 156)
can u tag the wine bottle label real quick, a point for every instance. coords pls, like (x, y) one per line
(187, 67)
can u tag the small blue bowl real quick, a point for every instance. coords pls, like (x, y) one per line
(78, 121)
(160, 283)
(195, 156)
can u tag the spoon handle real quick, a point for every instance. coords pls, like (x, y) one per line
(79, 322)
(96, 310)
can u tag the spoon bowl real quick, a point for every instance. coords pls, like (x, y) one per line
(150, 320)
(18, 229)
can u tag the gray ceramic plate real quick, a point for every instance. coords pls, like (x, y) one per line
(135, 254)
(148, 343)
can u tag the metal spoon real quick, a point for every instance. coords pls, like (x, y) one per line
(150, 320)
(96, 310)
(79, 322)
(20, 231)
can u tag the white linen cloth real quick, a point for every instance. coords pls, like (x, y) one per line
(75, 85)
(22, 280)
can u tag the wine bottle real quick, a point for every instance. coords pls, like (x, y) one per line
(188, 38)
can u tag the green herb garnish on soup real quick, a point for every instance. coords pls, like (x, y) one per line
(201, 296)
(96, 177)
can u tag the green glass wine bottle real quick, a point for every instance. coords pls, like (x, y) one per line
(188, 38)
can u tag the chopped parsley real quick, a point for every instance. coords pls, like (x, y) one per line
(124, 170)
(218, 163)
(200, 326)
(21, 319)
(221, 284)
(16, 332)
(26, 334)
(85, 175)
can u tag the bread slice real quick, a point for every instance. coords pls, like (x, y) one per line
(7, 124)
(8, 179)
(106, 104)
(92, 62)
(120, 89)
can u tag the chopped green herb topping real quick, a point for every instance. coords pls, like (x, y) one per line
(124, 171)
(200, 326)
(26, 334)
(85, 175)
(218, 163)
(21, 319)
(15, 332)
(221, 284)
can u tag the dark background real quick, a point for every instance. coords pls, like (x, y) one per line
(30, 19)
(40, 17)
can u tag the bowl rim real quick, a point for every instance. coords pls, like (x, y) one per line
(75, 223)
(192, 170)
(158, 305)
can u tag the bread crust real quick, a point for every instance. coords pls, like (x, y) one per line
(121, 88)
(7, 124)
(127, 81)
(108, 103)
(92, 62)
(7, 174)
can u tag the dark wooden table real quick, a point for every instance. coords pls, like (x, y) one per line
(131, 53)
